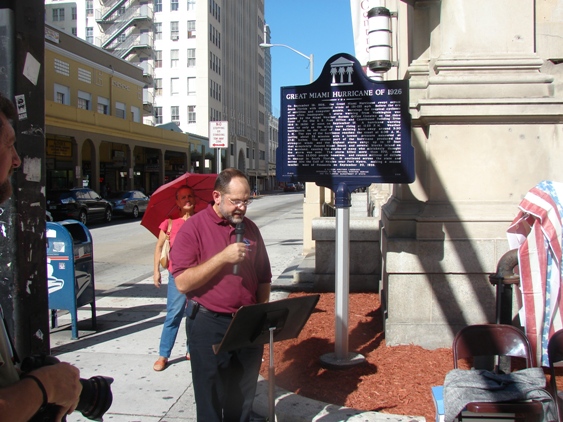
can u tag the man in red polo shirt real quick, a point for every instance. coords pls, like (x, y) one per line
(203, 258)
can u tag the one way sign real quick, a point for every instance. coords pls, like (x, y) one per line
(218, 134)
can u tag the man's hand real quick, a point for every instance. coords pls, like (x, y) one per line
(234, 253)
(62, 383)
(195, 277)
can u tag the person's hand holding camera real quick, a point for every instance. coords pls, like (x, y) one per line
(61, 383)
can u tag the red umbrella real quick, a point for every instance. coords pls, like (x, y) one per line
(162, 203)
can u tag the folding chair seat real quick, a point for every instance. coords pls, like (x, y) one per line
(496, 340)
(555, 355)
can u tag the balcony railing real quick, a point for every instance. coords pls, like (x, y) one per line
(122, 49)
(142, 12)
(148, 68)
(108, 8)
(148, 101)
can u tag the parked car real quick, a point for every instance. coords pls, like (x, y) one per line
(130, 203)
(82, 204)
(290, 187)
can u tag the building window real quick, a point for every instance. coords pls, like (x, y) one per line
(103, 105)
(173, 5)
(215, 90)
(74, 14)
(74, 31)
(158, 5)
(136, 114)
(120, 110)
(158, 115)
(191, 29)
(191, 114)
(191, 57)
(214, 36)
(90, 35)
(191, 4)
(89, 7)
(158, 86)
(175, 114)
(174, 86)
(62, 94)
(214, 63)
(158, 31)
(158, 58)
(174, 58)
(215, 10)
(191, 86)
(84, 100)
(58, 15)
(232, 149)
(262, 155)
(174, 31)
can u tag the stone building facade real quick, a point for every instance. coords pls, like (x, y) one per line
(487, 113)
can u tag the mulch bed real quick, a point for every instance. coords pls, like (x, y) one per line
(394, 380)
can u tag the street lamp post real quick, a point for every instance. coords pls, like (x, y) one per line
(314, 195)
(310, 58)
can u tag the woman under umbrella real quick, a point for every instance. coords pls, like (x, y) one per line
(175, 301)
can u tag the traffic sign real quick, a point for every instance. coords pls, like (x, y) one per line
(218, 134)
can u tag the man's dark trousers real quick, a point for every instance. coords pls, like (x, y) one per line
(224, 384)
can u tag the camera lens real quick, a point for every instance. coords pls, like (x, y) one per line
(96, 397)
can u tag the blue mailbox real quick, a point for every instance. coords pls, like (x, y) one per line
(70, 270)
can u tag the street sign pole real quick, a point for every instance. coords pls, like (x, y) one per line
(218, 139)
(342, 358)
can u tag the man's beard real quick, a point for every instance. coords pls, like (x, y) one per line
(235, 218)
(5, 190)
(232, 218)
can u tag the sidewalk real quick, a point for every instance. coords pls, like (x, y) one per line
(125, 346)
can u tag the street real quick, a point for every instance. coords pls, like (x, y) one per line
(123, 249)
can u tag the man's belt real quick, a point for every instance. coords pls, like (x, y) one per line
(217, 314)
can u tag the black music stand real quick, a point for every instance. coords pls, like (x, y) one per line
(268, 322)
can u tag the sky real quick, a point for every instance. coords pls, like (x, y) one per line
(319, 27)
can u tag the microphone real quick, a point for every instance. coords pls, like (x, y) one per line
(239, 231)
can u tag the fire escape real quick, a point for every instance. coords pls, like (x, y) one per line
(127, 28)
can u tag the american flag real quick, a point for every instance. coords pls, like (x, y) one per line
(536, 232)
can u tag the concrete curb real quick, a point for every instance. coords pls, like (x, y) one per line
(290, 407)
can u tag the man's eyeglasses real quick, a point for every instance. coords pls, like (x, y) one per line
(240, 203)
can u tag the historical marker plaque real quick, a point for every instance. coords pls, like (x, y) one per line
(345, 127)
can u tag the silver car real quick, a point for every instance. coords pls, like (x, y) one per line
(130, 203)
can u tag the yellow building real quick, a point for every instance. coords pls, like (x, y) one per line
(95, 137)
